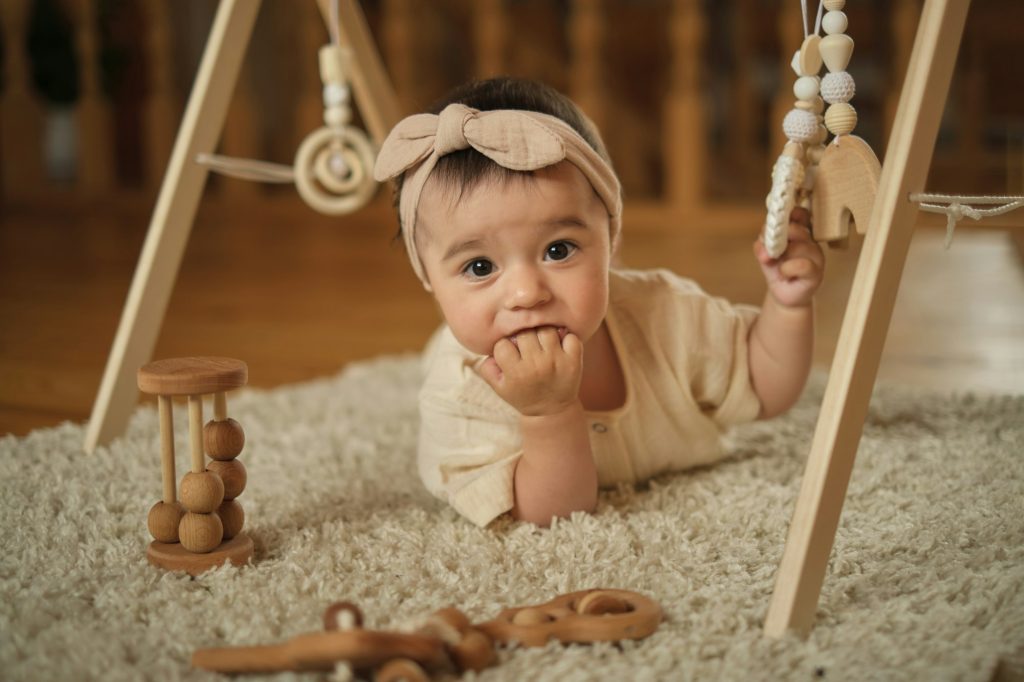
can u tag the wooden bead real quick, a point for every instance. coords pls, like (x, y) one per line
(163, 521)
(232, 518)
(809, 57)
(834, 22)
(475, 651)
(837, 50)
(806, 88)
(232, 473)
(529, 617)
(793, 149)
(201, 493)
(599, 603)
(814, 153)
(834, 5)
(223, 440)
(841, 119)
(401, 670)
(815, 106)
(200, 533)
(820, 136)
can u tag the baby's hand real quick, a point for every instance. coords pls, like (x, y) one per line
(539, 374)
(794, 276)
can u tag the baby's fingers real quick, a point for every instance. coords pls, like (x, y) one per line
(572, 346)
(505, 353)
(547, 338)
(490, 372)
(798, 268)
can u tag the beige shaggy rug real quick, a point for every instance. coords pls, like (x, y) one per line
(926, 580)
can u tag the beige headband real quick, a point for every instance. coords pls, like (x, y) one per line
(515, 139)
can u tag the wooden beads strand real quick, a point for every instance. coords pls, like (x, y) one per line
(838, 87)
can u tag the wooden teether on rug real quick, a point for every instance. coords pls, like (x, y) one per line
(446, 641)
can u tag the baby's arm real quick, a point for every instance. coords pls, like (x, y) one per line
(781, 341)
(540, 375)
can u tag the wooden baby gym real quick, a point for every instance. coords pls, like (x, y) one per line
(198, 519)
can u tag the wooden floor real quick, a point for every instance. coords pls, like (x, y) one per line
(298, 296)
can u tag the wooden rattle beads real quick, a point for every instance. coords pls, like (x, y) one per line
(201, 533)
(163, 521)
(223, 440)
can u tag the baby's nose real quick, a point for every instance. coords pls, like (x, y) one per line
(527, 289)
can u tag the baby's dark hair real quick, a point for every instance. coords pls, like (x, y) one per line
(464, 169)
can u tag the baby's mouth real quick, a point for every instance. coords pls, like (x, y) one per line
(562, 331)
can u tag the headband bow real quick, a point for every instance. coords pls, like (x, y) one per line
(514, 139)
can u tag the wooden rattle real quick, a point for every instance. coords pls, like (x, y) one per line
(446, 641)
(203, 528)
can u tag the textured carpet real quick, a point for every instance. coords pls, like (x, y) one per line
(926, 580)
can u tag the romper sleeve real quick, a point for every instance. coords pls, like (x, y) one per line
(720, 376)
(469, 442)
(708, 340)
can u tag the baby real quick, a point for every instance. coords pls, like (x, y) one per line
(557, 374)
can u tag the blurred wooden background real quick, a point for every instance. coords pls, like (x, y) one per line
(689, 95)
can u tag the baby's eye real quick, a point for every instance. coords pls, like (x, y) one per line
(559, 250)
(481, 267)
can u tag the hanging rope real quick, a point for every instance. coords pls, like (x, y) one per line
(956, 207)
(247, 169)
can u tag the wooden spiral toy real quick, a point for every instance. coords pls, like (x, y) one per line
(203, 528)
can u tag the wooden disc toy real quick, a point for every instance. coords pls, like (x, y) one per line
(202, 528)
(598, 615)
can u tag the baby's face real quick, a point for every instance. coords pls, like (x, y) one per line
(516, 256)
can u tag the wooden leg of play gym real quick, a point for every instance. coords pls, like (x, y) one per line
(172, 220)
(868, 312)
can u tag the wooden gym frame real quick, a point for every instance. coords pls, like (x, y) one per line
(862, 335)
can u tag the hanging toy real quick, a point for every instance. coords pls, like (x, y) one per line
(848, 170)
(332, 163)
(802, 126)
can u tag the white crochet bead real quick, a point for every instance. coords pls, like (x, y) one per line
(834, 22)
(838, 86)
(806, 88)
(800, 126)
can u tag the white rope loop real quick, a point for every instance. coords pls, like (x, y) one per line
(957, 207)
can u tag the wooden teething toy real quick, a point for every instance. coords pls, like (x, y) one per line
(203, 528)
(446, 641)
(597, 615)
